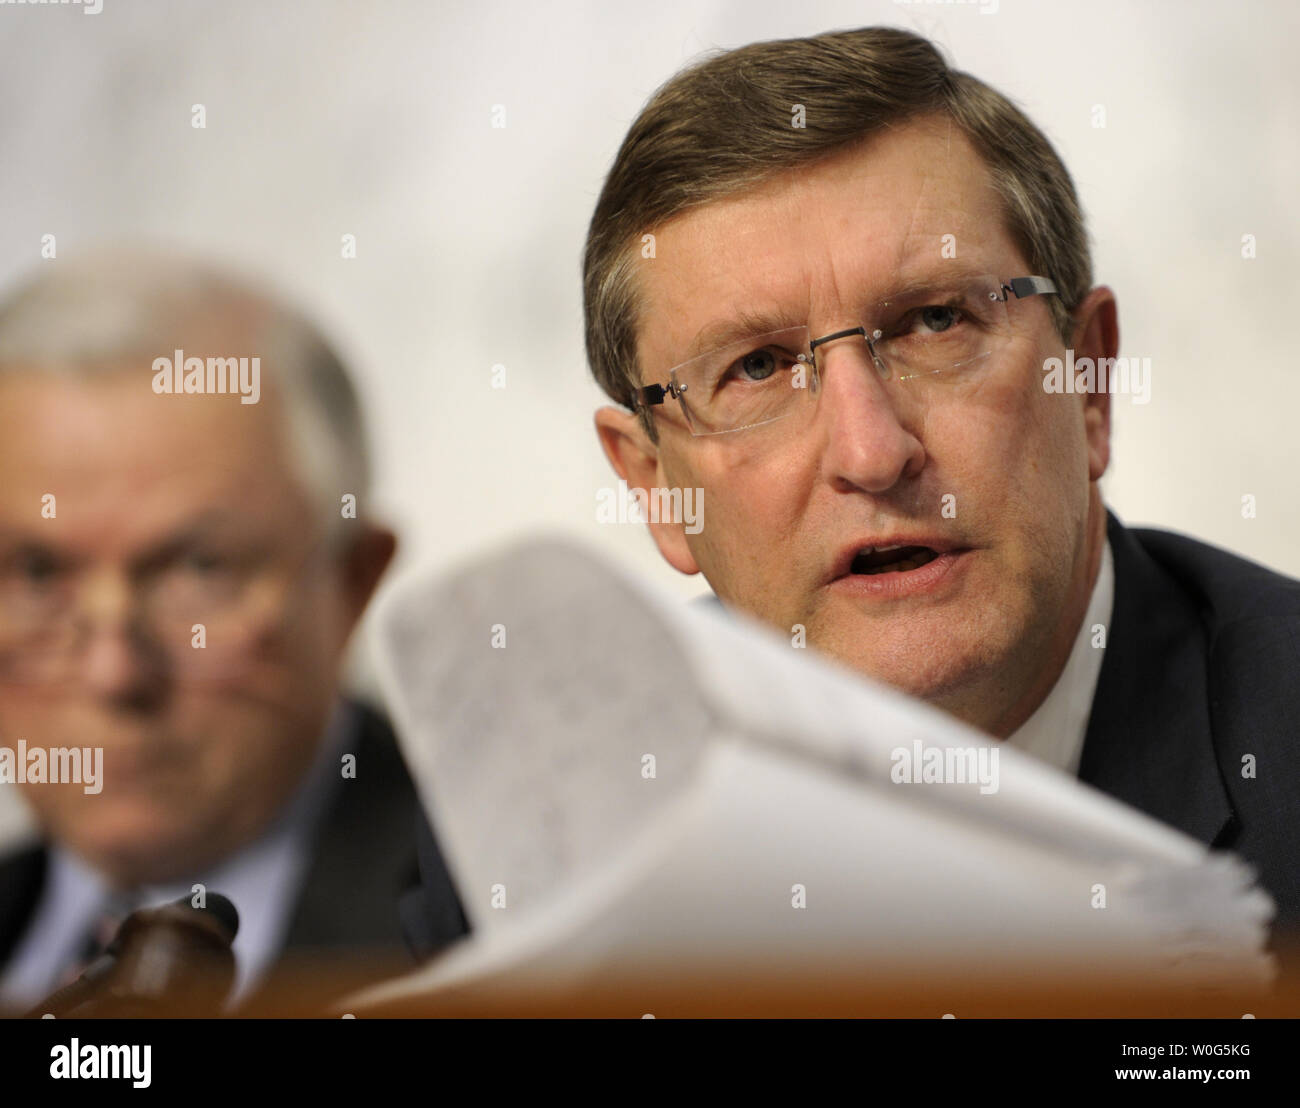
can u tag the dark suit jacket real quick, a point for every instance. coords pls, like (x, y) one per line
(1202, 668)
(1201, 678)
(364, 860)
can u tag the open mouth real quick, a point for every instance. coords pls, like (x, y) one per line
(891, 559)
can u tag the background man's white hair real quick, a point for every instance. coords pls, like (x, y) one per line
(116, 308)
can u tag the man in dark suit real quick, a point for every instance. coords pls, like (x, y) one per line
(185, 550)
(1196, 718)
(843, 295)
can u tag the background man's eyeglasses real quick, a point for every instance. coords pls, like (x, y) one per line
(234, 595)
(926, 329)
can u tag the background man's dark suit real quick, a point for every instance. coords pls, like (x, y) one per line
(364, 860)
(1202, 668)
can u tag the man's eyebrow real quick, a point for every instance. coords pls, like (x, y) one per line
(723, 332)
(211, 526)
(939, 277)
(13, 542)
(207, 526)
(212, 522)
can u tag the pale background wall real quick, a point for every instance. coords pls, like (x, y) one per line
(328, 117)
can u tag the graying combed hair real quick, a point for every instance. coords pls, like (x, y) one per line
(107, 310)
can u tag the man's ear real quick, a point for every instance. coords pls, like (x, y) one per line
(1096, 336)
(363, 563)
(637, 460)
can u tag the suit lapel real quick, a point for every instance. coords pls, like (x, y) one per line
(364, 851)
(1255, 727)
(1149, 740)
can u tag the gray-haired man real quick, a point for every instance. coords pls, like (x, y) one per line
(185, 549)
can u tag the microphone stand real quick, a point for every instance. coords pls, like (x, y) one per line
(173, 960)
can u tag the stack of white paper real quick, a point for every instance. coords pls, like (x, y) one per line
(621, 783)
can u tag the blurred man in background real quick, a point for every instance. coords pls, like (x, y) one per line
(185, 550)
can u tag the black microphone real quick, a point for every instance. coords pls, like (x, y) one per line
(171, 960)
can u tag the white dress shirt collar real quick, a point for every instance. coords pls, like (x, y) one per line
(1056, 730)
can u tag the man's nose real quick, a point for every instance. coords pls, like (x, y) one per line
(117, 660)
(869, 443)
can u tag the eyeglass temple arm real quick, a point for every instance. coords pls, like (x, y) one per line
(1029, 286)
(651, 395)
